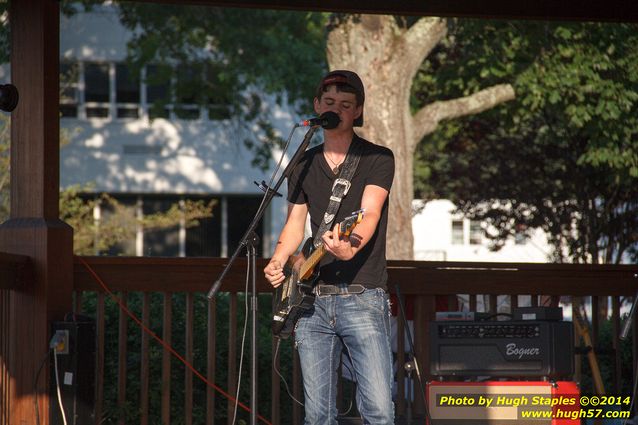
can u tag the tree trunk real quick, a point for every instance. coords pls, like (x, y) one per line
(387, 57)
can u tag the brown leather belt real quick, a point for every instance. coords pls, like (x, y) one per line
(355, 288)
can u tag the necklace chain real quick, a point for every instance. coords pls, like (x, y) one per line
(335, 169)
(333, 162)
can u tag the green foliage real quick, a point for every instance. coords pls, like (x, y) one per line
(130, 410)
(235, 56)
(562, 157)
(91, 236)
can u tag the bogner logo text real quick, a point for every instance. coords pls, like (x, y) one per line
(513, 350)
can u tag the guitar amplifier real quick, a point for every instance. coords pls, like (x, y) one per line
(502, 349)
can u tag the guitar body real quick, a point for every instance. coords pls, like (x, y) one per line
(294, 296)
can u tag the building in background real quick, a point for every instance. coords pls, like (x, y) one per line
(150, 159)
(442, 235)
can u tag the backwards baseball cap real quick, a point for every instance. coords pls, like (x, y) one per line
(348, 78)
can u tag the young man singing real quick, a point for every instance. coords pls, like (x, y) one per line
(350, 311)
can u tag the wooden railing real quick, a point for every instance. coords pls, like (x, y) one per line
(174, 289)
(182, 283)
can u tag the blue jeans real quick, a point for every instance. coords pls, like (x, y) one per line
(360, 324)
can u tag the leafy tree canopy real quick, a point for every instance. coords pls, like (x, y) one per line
(564, 156)
(233, 56)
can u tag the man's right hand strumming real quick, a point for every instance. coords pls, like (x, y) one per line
(274, 272)
(289, 240)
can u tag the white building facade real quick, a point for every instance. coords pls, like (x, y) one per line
(442, 235)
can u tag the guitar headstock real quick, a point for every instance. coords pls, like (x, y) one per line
(350, 222)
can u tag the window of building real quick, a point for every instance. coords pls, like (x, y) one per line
(160, 242)
(241, 210)
(97, 90)
(126, 216)
(476, 233)
(214, 236)
(127, 92)
(457, 232)
(520, 235)
(97, 95)
(158, 90)
(204, 240)
(218, 99)
(186, 95)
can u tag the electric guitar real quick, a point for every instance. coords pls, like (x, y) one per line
(294, 296)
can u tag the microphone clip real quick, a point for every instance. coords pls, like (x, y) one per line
(265, 188)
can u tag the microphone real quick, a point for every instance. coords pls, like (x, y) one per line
(327, 120)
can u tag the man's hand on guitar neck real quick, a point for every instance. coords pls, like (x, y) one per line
(343, 248)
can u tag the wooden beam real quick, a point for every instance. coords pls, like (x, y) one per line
(570, 10)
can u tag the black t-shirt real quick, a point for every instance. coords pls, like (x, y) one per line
(311, 184)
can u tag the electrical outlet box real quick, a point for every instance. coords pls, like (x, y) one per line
(75, 378)
(62, 337)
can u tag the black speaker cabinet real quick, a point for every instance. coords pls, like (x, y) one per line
(502, 349)
(76, 374)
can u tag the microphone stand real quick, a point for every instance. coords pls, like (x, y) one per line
(249, 240)
(413, 364)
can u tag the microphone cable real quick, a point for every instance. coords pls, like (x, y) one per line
(266, 188)
(57, 385)
(278, 372)
(243, 339)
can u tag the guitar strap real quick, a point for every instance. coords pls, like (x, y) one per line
(340, 188)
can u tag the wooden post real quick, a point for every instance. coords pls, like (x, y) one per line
(424, 311)
(34, 228)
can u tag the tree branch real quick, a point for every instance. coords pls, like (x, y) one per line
(423, 36)
(427, 119)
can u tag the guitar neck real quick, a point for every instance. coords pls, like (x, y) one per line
(308, 266)
(345, 228)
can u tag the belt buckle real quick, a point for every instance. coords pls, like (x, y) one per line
(322, 289)
(344, 182)
(325, 289)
